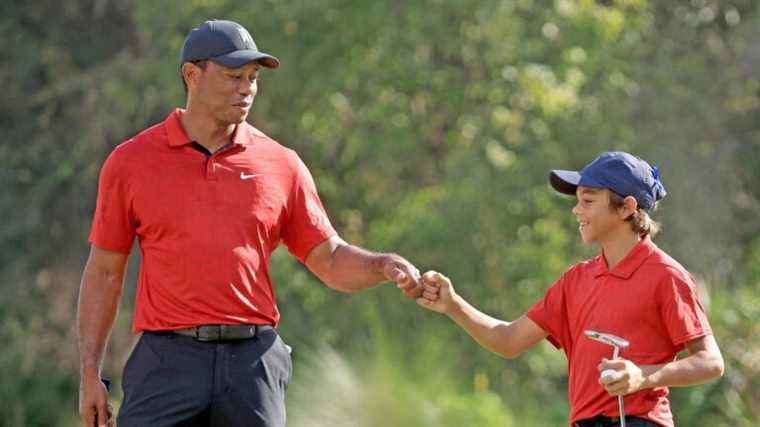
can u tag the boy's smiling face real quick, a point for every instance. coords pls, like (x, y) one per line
(595, 217)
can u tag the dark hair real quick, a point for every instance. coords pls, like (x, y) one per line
(640, 221)
(201, 63)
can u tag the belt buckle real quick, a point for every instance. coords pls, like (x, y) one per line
(217, 335)
(204, 333)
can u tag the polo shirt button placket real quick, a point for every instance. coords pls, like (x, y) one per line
(211, 169)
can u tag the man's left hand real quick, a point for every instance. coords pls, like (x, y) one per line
(620, 377)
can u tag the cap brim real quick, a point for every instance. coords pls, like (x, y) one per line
(239, 58)
(565, 182)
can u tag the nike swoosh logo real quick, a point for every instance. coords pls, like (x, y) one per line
(253, 175)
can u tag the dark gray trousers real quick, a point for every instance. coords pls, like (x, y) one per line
(174, 380)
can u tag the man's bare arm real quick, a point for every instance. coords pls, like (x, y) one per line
(349, 268)
(99, 295)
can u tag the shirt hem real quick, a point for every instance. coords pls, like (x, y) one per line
(542, 325)
(310, 247)
(126, 250)
(686, 338)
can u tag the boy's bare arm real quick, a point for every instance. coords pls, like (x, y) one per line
(703, 364)
(507, 339)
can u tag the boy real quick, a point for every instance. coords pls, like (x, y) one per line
(632, 289)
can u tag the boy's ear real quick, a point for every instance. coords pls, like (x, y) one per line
(630, 205)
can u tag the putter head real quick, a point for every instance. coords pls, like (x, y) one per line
(608, 339)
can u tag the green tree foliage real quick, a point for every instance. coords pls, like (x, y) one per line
(430, 127)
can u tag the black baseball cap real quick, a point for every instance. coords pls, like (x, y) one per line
(618, 171)
(226, 43)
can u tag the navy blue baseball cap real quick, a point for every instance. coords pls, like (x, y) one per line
(618, 171)
(226, 43)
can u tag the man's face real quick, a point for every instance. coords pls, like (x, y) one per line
(596, 220)
(226, 93)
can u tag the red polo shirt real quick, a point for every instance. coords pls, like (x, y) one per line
(206, 225)
(648, 299)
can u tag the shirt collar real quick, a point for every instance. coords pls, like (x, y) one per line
(178, 137)
(630, 263)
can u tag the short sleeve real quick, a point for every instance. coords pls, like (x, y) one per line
(307, 223)
(113, 225)
(681, 310)
(550, 313)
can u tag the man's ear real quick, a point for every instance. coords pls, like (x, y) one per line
(191, 73)
(630, 205)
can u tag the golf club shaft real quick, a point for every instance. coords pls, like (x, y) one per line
(622, 411)
(621, 407)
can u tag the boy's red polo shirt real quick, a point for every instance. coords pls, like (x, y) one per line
(206, 225)
(648, 299)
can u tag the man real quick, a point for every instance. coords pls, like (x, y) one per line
(209, 198)
(632, 289)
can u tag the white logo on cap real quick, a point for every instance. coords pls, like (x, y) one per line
(245, 37)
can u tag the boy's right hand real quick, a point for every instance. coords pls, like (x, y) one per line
(438, 293)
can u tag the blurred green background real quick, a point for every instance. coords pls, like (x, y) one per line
(430, 127)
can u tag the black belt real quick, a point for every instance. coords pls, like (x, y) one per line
(602, 421)
(223, 332)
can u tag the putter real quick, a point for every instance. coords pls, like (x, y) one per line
(617, 343)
